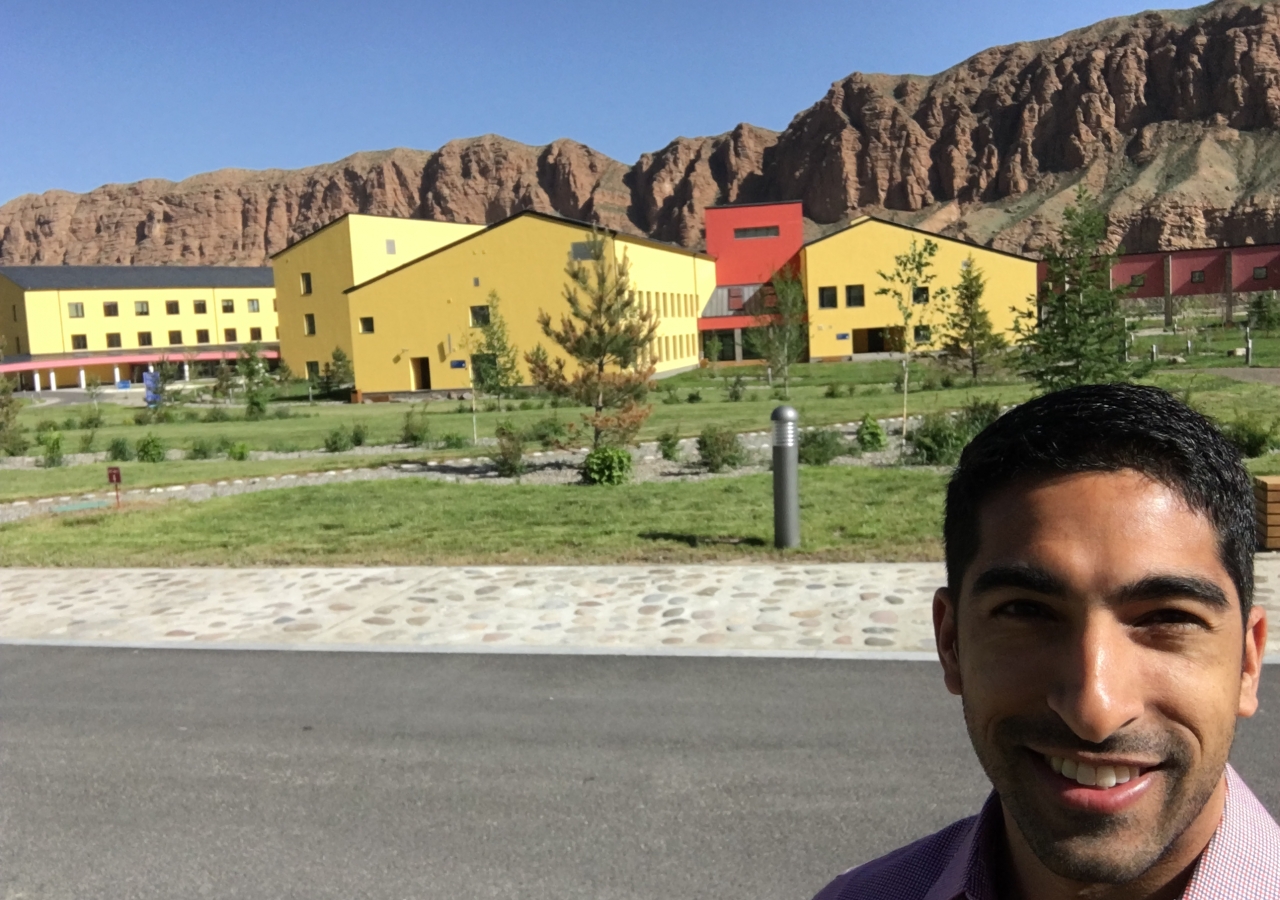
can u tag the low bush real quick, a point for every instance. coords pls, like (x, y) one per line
(283, 447)
(51, 443)
(607, 465)
(1251, 436)
(669, 445)
(201, 449)
(821, 446)
(216, 414)
(359, 434)
(46, 426)
(87, 440)
(938, 440)
(223, 445)
(70, 423)
(694, 397)
(144, 417)
(549, 432)
(719, 449)
(670, 397)
(736, 389)
(871, 436)
(491, 406)
(190, 415)
(282, 412)
(833, 391)
(453, 441)
(14, 442)
(462, 407)
(508, 460)
(239, 451)
(119, 450)
(149, 449)
(416, 430)
(339, 440)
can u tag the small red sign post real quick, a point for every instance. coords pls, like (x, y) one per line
(113, 477)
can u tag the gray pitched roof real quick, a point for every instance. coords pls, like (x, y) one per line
(62, 278)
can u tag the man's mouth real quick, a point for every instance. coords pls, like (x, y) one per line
(1095, 774)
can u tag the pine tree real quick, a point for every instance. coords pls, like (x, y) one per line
(1077, 335)
(252, 369)
(495, 364)
(609, 334)
(779, 335)
(967, 332)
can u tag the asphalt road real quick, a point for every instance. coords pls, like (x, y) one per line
(185, 774)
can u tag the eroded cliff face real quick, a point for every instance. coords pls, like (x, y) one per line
(1173, 118)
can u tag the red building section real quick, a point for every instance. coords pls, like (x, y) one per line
(753, 241)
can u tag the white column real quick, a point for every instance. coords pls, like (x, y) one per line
(150, 367)
(53, 380)
(36, 374)
(115, 370)
(82, 383)
(186, 371)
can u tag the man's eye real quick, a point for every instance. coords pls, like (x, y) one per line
(1022, 609)
(1171, 616)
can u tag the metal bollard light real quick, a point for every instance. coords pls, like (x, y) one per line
(1248, 352)
(786, 477)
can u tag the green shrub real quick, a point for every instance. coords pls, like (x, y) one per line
(719, 449)
(462, 407)
(14, 442)
(190, 415)
(87, 440)
(282, 412)
(491, 406)
(938, 440)
(607, 465)
(70, 423)
(509, 458)
(359, 434)
(737, 389)
(821, 446)
(549, 432)
(694, 397)
(833, 391)
(453, 441)
(239, 451)
(201, 449)
(216, 414)
(283, 447)
(1250, 435)
(223, 445)
(46, 426)
(119, 450)
(871, 436)
(669, 445)
(670, 397)
(527, 405)
(51, 442)
(416, 430)
(149, 449)
(338, 440)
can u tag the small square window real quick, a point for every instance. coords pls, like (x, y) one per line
(75, 310)
(228, 335)
(141, 308)
(313, 370)
(201, 307)
(306, 282)
(144, 338)
(475, 282)
(1197, 276)
(1138, 280)
(309, 323)
(171, 307)
(735, 298)
(202, 335)
(580, 251)
(175, 337)
(79, 342)
(920, 294)
(228, 306)
(922, 333)
(110, 309)
(855, 295)
(827, 297)
(253, 305)
(762, 231)
(391, 247)
(113, 341)
(479, 316)
(255, 334)
(366, 323)
(1259, 273)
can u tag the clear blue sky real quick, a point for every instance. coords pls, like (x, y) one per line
(94, 92)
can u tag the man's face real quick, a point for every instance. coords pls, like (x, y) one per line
(1098, 646)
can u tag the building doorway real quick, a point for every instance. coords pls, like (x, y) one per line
(421, 373)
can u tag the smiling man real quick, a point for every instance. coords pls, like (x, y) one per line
(1098, 626)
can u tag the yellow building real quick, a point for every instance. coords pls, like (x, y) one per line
(415, 327)
(847, 316)
(63, 324)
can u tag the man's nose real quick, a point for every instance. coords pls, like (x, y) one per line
(1096, 689)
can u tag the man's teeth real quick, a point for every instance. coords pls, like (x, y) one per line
(1101, 776)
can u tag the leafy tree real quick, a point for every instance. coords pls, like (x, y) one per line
(337, 373)
(1264, 311)
(1077, 335)
(252, 369)
(224, 383)
(967, 334)
(712, 349)
(495, 364)
(779, 337)
(609, 334)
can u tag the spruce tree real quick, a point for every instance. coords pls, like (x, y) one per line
(779, 335)
(967, 334)
(495, 364)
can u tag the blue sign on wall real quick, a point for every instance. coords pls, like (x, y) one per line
(844, 336)
(457, 364)
(123, 385)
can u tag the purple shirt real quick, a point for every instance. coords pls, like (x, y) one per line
(1242, 859)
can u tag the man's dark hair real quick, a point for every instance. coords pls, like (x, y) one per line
(1107, 428)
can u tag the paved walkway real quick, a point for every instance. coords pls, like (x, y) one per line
(849, 609)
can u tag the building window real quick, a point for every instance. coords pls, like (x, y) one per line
(79, 342)
(735, 298)
(580, 250)
(313, 370)
(110, 309)
(171, 307)
(855, 295)
(141, 308)
(228, 306)
(1197, 276)
(920, 294)
(144, 338)
(309, 323)
(228, 335)
(922, 334)
(827, 297)
(762, 231)
(113, 340)
(255, 334)
(75, 310)
(391, 247)
(175, 337)
(1259, 273)
(1137, 280)
(202, 336)
(201, 307)
(253, 306)
(366, 322)
(479, 316)
(306, 282)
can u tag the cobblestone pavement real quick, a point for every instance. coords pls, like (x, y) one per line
(834, 609)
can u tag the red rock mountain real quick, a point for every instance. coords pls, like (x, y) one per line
(1172, 117)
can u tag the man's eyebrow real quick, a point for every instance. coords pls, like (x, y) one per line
(1164, 587)
(1028, 578)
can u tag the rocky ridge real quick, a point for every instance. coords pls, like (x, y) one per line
(1172, 117)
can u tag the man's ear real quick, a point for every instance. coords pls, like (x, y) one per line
(945, 632)
(1255, 645)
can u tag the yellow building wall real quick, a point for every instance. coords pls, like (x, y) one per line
(370, 255)
(423, 311)
(855, 255)
(50, 326)
(13, 319)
